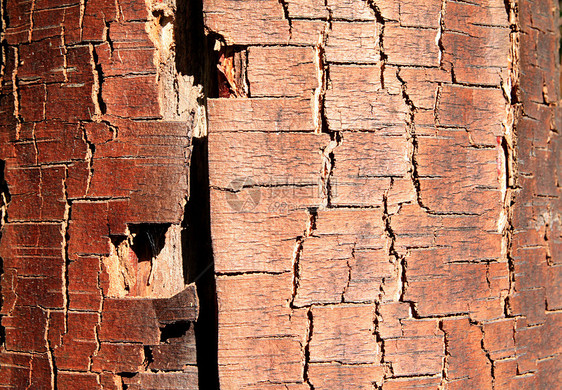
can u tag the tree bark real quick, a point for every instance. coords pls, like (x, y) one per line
(280, 194)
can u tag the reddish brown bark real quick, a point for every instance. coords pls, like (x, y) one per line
(383, 183)
(93, 292)
(413, 241)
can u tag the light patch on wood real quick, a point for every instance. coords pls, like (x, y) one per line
(130, 275)
(178, 94)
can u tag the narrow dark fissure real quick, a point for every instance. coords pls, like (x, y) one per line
(4, 193)
(99, 71)
(2, 330)
(4, 200)
(148, 357)
(199, 265)
(195, 56)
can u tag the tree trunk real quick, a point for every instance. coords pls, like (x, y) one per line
(280, 194)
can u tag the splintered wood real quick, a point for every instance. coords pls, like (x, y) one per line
(435, 234)
(385, 207)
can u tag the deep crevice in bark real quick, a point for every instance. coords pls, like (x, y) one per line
(413, 140)
(97, 71)
(199, 265)
(194, 47)
(445, 365)
(195, 56)
(4, 200)
(510, 147)
(309, 333)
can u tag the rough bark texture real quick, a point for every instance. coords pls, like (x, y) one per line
(383, 183)
(385, 197)
(95, 144)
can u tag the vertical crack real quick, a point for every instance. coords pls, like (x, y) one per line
(380, 36)
(81, 18)
(310, 227)
(319, 118)
(322, 72)
(488, 356)
(412, 140)
(546, 238)
(447, 355)
(508, 146)
(349, 270)
(16, 92)
(64, 49)
(45, 97)
(309, 333)
(40, 191)
(296, 270)
(64, 248)
(195, 56)
(394, 256)
(148, 357)
(328, 164)
(388, 371)
(287, 16)
(49, 348)
(199, 265)
(319, 114)
(99, 105)
(438, 92)
(3, 26)
(107, 38)
(440, 31)
(91, 149)
(98, 325)
(34, 140)
(4, 201)
(31, 12)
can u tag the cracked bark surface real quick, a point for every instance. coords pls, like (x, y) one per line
(382, 194)
(431, 210)
(95, 146)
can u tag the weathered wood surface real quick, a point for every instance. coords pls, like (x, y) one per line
(430, 256)
(84, 177)
(384, 202)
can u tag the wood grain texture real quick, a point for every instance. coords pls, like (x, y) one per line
(273, 71)
(411, 239)
(291, 114)
(384, 201)
(358, 101)
(82, 172)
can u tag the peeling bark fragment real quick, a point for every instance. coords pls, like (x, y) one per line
(232, 76)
